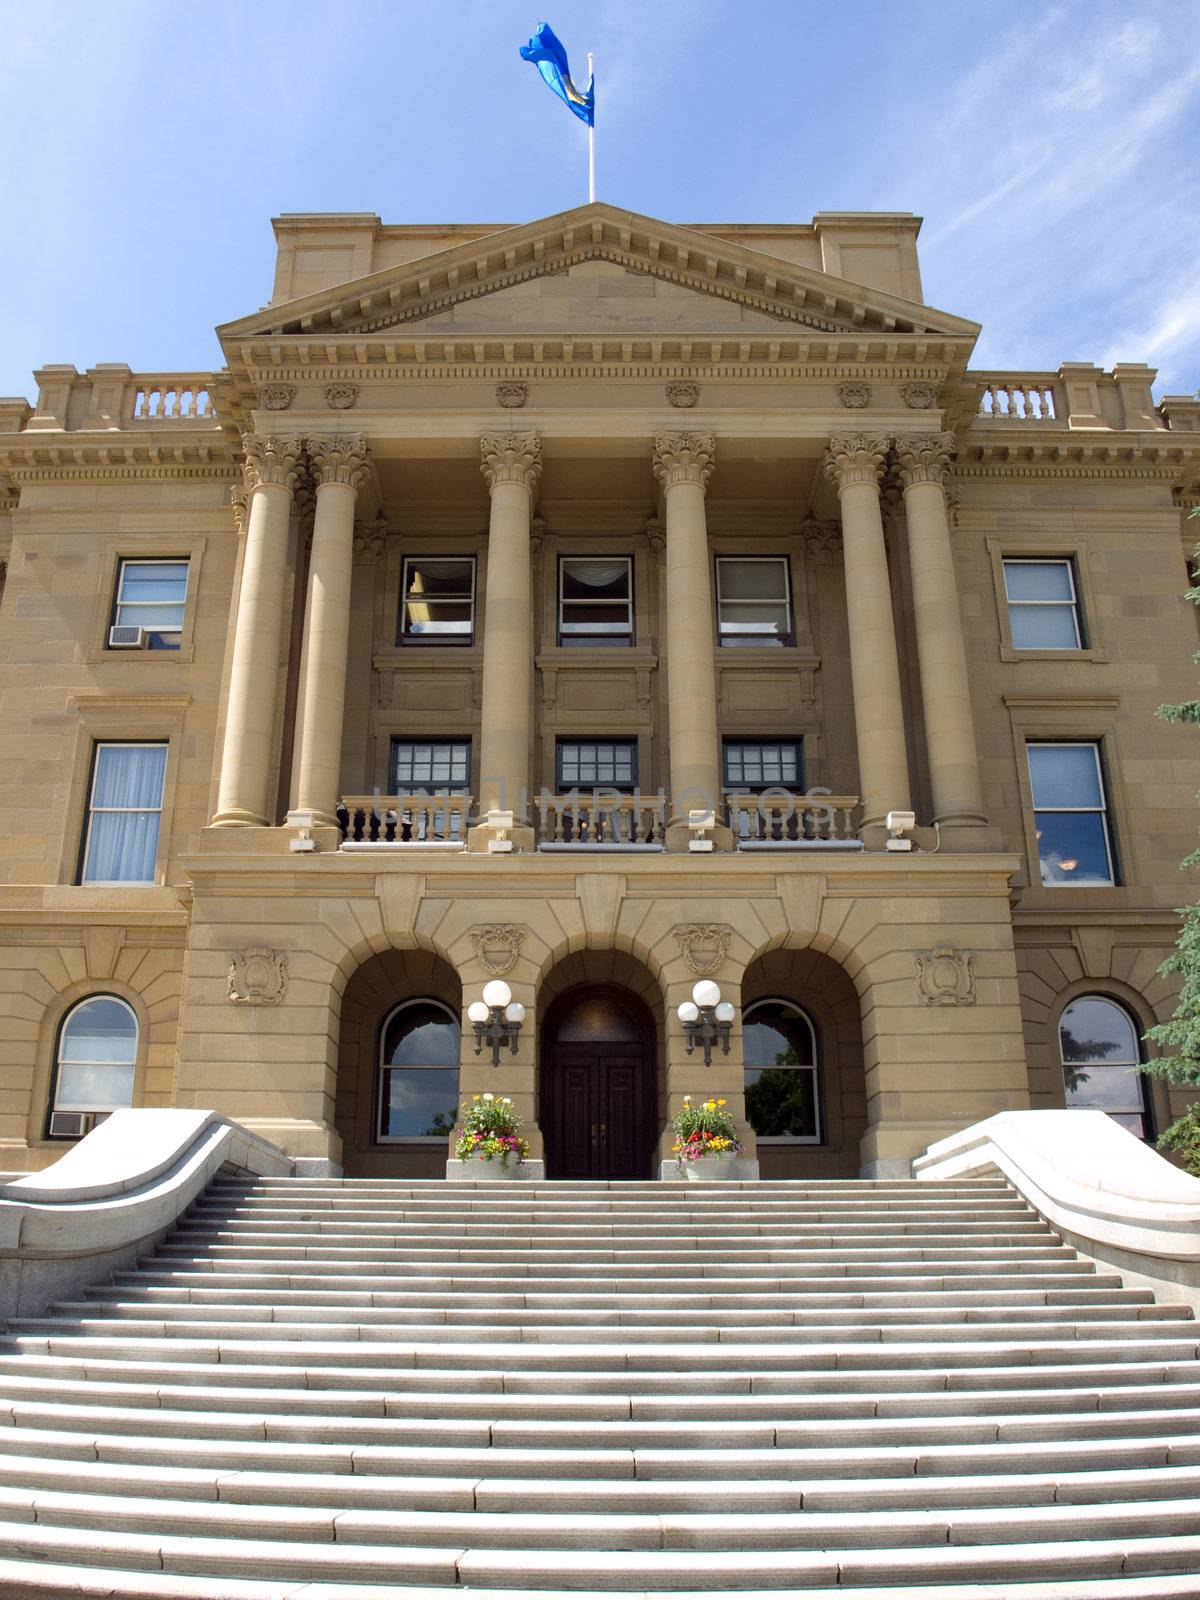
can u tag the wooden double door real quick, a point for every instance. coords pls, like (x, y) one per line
(598, 1099)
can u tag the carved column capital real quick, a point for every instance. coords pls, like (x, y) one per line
(238, 499)
(924, 457)
(271, 460)
(511, 458)
(824, 539)
(684, 458)
(856, 458)
(370, 540)
(339, 458)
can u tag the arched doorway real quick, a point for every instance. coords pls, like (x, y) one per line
(598, 1085)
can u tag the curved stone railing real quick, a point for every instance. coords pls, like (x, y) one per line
(1107, 1193)
(111, 1197)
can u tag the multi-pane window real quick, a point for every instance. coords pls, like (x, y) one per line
(595, 600)
(779, 1046)
(1098, 1046)
(1043, 605)
(94, 1065)
(418, 1072)
(438, 600)
(434, 766)
(752, 765)
(597, 764)
(754, 601)
(151, 595)
(120, 836)
(1071, 813)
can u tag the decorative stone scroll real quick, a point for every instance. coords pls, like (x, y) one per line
(512, 395)
(918, 396)
(683, 395)
(277, 396)
(854, 396)
(703, 945)
(498, 946)
(945, 977)
(258, 978)
(341, 396)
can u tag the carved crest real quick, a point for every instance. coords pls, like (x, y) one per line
(512, 395)
(703, 945)
(341, 396)
(854, 396)
(498, 946)
(918, 396)
(945, 977)
(277, 396)
(258, 978)
(683, 395)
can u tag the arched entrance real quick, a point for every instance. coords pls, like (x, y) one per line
(598, 1106)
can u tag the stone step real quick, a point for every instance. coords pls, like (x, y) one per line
(664, 1260)
(687, 1237)
(618, 1191)
(757, 1216)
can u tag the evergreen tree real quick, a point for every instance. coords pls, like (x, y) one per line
(1179, 1037)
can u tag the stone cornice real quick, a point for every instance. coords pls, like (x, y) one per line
(268, 459)
(1116, 456)
(115, 458)
(856, 458)
(511, 458)
(924, 458)
(684, 458)
(339, 459)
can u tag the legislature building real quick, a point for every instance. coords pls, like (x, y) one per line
(597, 605)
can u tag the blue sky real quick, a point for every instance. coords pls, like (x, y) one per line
(1051, 148)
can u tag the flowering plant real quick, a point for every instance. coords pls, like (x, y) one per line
(491, 1131)
(703, 1130)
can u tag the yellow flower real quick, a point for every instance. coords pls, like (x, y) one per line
(475, 1098)
(710, 1105)
(721, 1102)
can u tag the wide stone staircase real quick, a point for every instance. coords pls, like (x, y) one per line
(368, 1388)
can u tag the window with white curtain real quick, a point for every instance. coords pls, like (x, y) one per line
(120, 836)
(438, 600)
(595, 600)
(94, 1065)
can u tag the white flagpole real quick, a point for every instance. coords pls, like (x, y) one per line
(591, 137)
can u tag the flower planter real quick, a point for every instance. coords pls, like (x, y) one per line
(716, 1168)
(493, 1171)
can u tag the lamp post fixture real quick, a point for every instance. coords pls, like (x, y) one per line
(497, 1019)
(707, 1019)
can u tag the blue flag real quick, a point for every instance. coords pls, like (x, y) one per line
(546, 53)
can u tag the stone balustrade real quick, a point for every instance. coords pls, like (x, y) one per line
(409, 819)
(170, 397)
(622, 820)
(1009, 397)
(786, 819)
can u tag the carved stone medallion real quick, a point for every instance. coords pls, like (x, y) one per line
(918, 396)
(498, 946)
(277, 396)
(854, 396)
(703, 945)
(341, 396)
(683, 395)
(945, 977)
(258, 978)
(512, 395)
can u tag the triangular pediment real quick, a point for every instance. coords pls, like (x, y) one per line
(592, 270)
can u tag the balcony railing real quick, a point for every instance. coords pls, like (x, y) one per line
(170, 397)
(596, 821)
(432, 820)
(796, 821)
(1008, 397)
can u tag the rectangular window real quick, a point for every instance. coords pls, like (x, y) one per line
(151, 595)
(752, 765)
(597, 764)
(1071, 814)
(120, 839)
(595, 600)
(438, 600)
(431, 766)
(754, 601)
(1043, 605)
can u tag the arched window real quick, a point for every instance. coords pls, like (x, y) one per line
(783, 1101)
(1098, 1047)
(418, 1072)
(93, 1065)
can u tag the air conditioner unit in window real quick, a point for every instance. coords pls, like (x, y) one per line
(121, 636)
(74, 1124)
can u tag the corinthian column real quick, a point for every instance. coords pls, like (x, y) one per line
(271, 468)
(512, 465)
(923, 461)
(339, 466)
(683, 464)
(854, 464)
